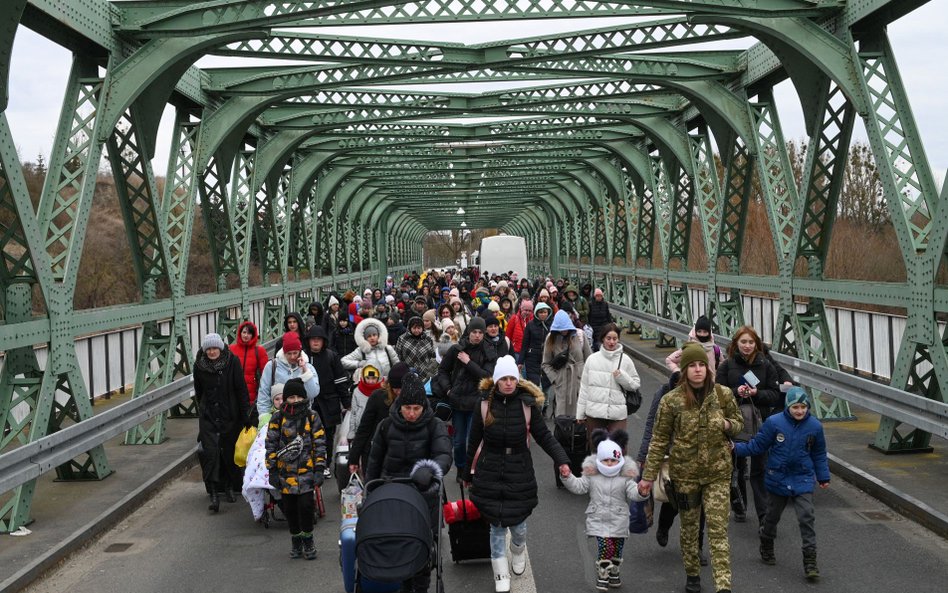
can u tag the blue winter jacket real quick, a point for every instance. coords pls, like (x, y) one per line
(797, 452)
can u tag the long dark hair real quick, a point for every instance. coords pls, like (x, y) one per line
(691, 396)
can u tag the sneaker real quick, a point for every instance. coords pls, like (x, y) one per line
(327, 473)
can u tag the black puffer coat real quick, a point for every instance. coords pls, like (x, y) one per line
(531, 352)
(456, 382)
(505, 487)
(399, 444)
(599, 315)
(731, 373)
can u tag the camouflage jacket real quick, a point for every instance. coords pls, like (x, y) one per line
(701, 453)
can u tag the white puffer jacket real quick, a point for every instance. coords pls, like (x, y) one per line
(607, 514)
(600, 394)
(383, 357)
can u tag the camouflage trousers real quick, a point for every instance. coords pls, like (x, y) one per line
(716, 500)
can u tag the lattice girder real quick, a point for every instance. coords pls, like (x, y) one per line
(312, 47)
(180, 17)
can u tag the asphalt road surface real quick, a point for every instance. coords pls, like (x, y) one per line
(172, 544)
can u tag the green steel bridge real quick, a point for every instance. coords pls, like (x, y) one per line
(606, 147)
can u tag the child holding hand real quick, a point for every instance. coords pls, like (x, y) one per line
(610, 479)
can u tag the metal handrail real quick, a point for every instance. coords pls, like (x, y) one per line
(921, 412)
(31, 460)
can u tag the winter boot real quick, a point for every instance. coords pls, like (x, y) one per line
(809, 564)
(615, 579)
(693, 584)
(297, 550)
(215, 504)
(602, 574)
(309, 546)
(661, 536)
(767, 551)
(501, 575)
(518, 558)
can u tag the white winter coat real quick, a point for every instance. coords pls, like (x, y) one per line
(382, 357)
(607, 514)
(600, 394)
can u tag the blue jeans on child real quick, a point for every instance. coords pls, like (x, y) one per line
(498, 538)
(462, 427)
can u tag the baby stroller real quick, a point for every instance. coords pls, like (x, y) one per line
(394, 540)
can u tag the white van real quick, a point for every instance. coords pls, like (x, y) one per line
(503, 253)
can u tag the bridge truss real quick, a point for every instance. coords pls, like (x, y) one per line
(605, 147)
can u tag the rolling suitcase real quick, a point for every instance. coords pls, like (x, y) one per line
(572, 437)
(470, 539)
(347, 554)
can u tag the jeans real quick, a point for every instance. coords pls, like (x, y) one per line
(462, 427)
(498, 538)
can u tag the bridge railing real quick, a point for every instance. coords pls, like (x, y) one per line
(927, 414)
(109, 351)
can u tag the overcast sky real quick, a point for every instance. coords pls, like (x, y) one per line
(40, 68)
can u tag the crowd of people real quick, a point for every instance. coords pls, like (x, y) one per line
(460, 369)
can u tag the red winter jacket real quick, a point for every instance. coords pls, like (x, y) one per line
(515, 328)
(252, 357)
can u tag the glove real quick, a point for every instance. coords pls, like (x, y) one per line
(275, 479)
(318, 477)
(422, 478)
(559, 361)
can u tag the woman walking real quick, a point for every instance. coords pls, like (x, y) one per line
(504, 484)
(564, 354)
(702, 418)
(606, 374)
(223, 409)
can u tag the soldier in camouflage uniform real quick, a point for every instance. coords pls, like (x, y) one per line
(701, 418)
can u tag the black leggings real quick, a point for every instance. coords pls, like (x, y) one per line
(299, 512)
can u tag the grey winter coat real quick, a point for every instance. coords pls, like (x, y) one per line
(565, 381)
(607, 514)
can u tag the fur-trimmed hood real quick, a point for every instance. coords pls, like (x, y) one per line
(360, 334)
(526, 388)
(630, 469)
(430, 464)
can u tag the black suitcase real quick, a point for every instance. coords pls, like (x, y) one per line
(572, 437)
(470, 540)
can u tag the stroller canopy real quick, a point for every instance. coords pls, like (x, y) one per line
(393, 540)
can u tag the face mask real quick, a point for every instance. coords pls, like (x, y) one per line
(290, 409)
(609, 471)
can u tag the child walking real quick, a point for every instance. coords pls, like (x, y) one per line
(296, 458)
(609, 477)
(796, 462)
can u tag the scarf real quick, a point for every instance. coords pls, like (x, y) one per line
(213, 366)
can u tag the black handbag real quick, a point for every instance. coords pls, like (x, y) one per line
(633, 397)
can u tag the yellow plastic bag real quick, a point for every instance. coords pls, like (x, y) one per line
(244, 441)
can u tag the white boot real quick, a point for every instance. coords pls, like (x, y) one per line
(501, 575)
(518, 558)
